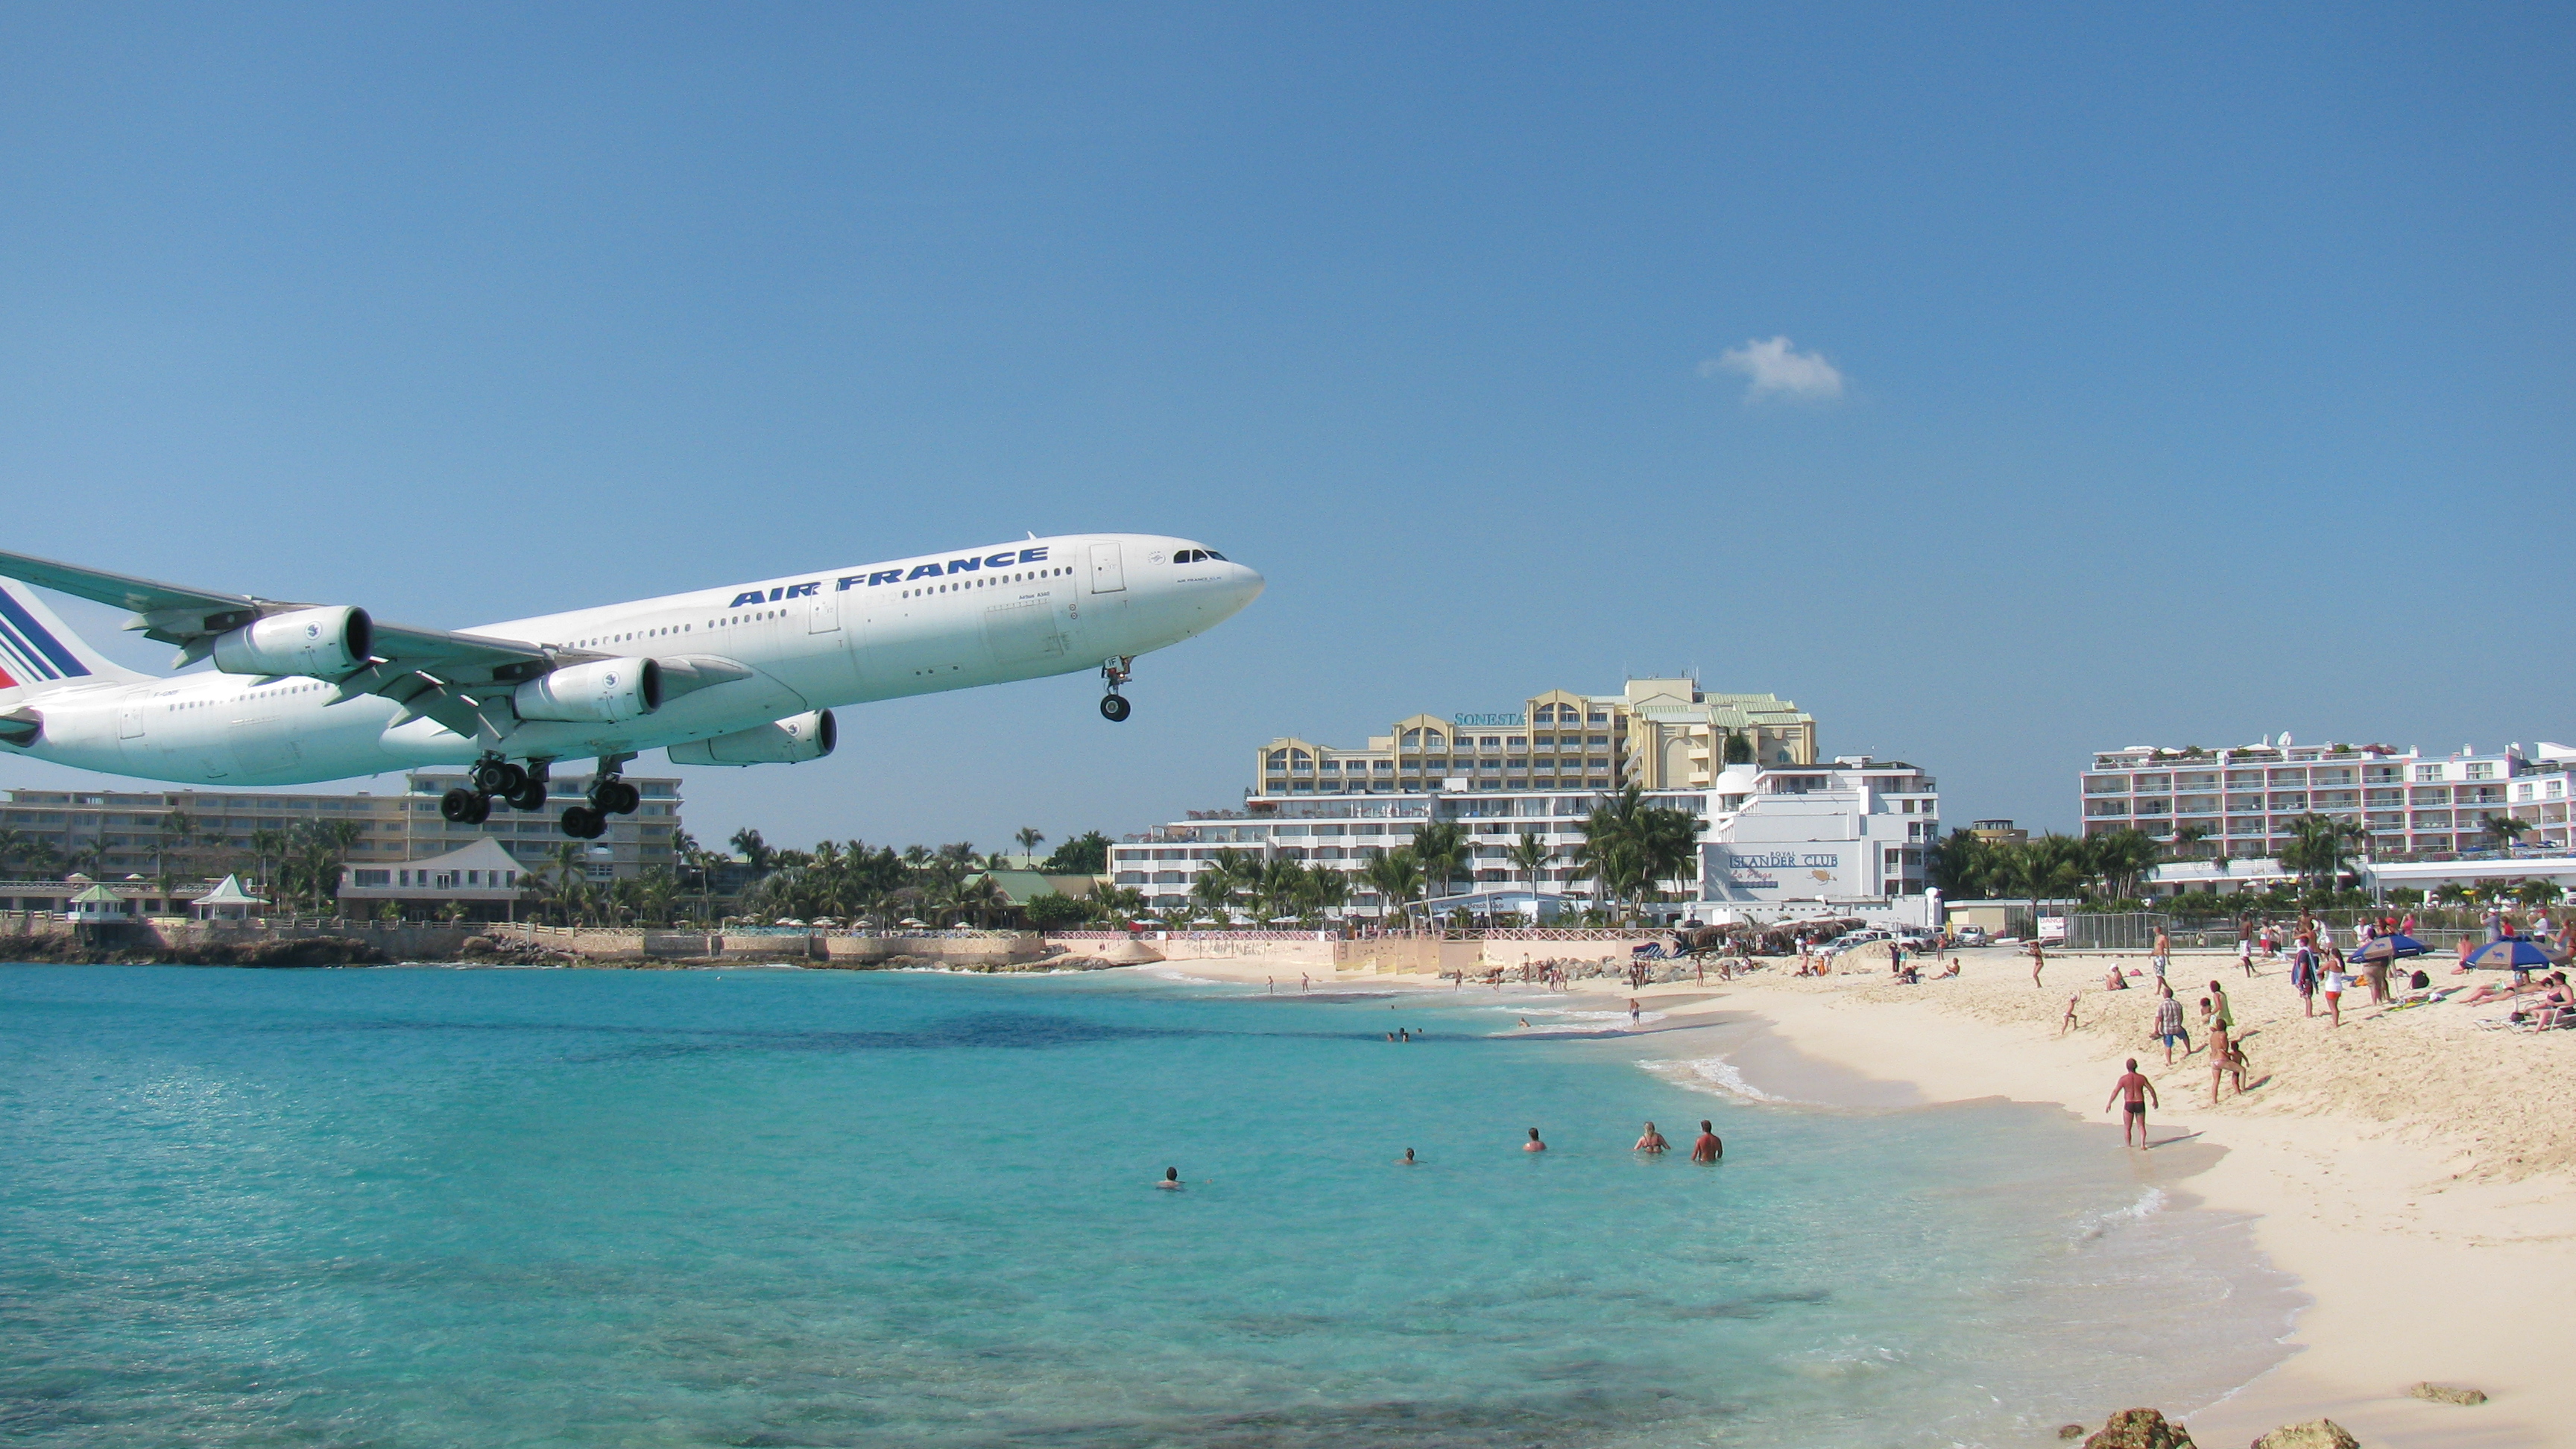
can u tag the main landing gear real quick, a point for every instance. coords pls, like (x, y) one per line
(609, 795)
(521, 788)
(1113, 705)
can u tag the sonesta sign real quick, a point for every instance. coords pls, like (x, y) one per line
(1487, 721)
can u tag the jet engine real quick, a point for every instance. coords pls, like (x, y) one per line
(324, 643)
(808, 736)
(603, 691)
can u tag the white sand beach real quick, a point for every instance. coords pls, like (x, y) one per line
(2415, 1172)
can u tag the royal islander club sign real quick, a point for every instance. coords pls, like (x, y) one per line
(1780, 872)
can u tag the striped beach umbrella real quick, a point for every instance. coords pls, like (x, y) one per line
(2513, 953)
(2387, 948)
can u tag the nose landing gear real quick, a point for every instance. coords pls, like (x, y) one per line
(1115, 672)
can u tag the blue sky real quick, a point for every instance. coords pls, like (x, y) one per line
(2153, 374)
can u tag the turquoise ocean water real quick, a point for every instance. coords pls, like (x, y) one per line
(440, 1207)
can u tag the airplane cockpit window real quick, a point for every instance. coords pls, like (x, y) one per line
(1197, 555)
(1211, 553)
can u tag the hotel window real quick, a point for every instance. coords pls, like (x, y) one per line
(2482, 771)
(2428, 772)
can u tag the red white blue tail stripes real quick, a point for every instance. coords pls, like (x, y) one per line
(29, 651)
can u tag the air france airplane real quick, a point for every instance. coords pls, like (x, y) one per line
(746, 674)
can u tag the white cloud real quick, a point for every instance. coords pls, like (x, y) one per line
(1777, 369)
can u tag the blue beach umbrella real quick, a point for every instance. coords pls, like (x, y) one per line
(2513, 953)
(2387, 948)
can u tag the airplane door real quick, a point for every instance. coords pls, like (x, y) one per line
(1108, 576)
(823, 613)
(129, 722)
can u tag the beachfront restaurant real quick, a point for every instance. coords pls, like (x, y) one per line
(482, 879)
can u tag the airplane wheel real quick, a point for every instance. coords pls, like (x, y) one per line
(464, 807)
(1113, 707)
(616, 797)
(499, 777)
(530, 796)
(583, 823)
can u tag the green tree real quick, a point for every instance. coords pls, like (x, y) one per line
(2320, 848)
(1630, 847)
(2120, 859)
(2504, 830)
(1530, 856)
(1440, 846)
(1085, 854)
(1397, 877)
(755, 852)
(1029, 837)
(1054, 911)
(1966, 867)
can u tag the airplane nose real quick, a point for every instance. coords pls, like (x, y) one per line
(1245, 587)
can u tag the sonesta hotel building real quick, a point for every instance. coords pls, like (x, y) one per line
(1658, 733)
(1779, 827)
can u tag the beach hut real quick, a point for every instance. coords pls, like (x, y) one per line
(98, 906)
(226, 902)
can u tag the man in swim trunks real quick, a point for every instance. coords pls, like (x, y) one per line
(1652, 1144)
(1707, 1148)
(2169, 1027)
(2139, 1092)
(1533, 1145)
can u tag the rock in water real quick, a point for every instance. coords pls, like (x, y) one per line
(2448, 1394)
(2140, 1429)
(2314, 1434)
(2070, 1431)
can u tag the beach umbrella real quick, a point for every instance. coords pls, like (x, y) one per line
(2513, 953)
(2387, 948)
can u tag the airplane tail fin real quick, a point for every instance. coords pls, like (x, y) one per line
(37, 652)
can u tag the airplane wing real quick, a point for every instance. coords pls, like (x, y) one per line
(458, 680)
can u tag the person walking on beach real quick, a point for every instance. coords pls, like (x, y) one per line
(2169, 1027)
(2038, 958)
(2336, 984)
(2139, 1091)
(2068, 1023)
(2226, 1059)
(1636, 1016)
(1652, 1143)
(2162, 953)
(2303, 978)
(2226, 1011)
(2245, 955)
(1533, 1145)
(1707, 1148)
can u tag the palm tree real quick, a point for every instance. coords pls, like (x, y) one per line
(2186, 841)
(1529, 855)
(175, 833)
(2320, 848)
(2044, 866)
(1630, 846)
(1029, 837)
(755, 851)
(267, 845)
(2120, 859)
(1441, 848)
(2506, 831)
(2534, 894)
(1397, 877)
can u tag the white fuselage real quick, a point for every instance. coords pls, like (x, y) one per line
(812, 641)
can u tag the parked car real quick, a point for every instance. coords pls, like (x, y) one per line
(1848, 940)
(1918, 940)
(1971, 936)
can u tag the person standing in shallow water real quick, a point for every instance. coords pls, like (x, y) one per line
(1708, 1148)
(1533, 1145)
(1171, 1178)
(2139, 1092)
(1652, 1143)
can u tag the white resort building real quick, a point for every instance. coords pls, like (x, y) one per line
(1850, 834)
(2413, 806)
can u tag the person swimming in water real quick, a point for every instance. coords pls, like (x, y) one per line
(1708, 1148)
(1171, 1178)
(1407, 1159)
(1533, 1145)
(1652, 1143)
